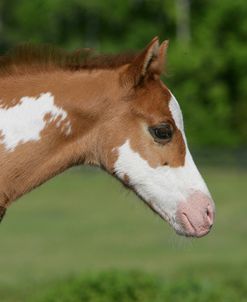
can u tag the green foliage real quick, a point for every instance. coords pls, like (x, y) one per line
(142, 287)
(208, 75)
(106, 287)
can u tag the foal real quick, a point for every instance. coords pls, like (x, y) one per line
(59, 109)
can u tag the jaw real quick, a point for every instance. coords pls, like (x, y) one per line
(153, 206)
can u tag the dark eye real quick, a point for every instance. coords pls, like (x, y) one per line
(161, 133)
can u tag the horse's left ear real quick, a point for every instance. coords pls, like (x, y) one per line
(157, 63)
(161, 57)
(148, 64)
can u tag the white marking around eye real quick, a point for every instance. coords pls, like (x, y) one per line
(24, 122)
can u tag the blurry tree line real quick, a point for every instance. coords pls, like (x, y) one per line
(207, 57)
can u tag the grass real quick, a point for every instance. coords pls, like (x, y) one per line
(83, 222)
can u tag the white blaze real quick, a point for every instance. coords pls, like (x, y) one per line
(24, 122)
(163, 187)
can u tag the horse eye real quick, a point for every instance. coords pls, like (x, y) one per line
(161, 133)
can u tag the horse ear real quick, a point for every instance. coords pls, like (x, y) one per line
(148, 64)
(162, 56)
(139, 67)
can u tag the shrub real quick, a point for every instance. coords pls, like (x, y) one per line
(142, 287)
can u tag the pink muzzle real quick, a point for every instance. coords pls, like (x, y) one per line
(196, 215)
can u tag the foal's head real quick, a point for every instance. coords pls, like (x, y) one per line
(145, 146)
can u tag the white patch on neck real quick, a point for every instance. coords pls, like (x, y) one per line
(25, 121)
(164, 187)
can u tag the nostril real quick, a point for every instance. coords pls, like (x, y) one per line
(210, 215)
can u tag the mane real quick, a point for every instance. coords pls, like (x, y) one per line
(29, 58)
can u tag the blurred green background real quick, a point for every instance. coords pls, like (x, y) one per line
(81, 236)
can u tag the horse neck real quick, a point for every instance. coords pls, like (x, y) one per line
(85, 97)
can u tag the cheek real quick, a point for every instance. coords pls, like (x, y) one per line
(151, 183)
(173, 153)
(150, 151)
(156, 186)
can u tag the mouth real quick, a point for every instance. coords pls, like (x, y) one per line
(186, 228)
